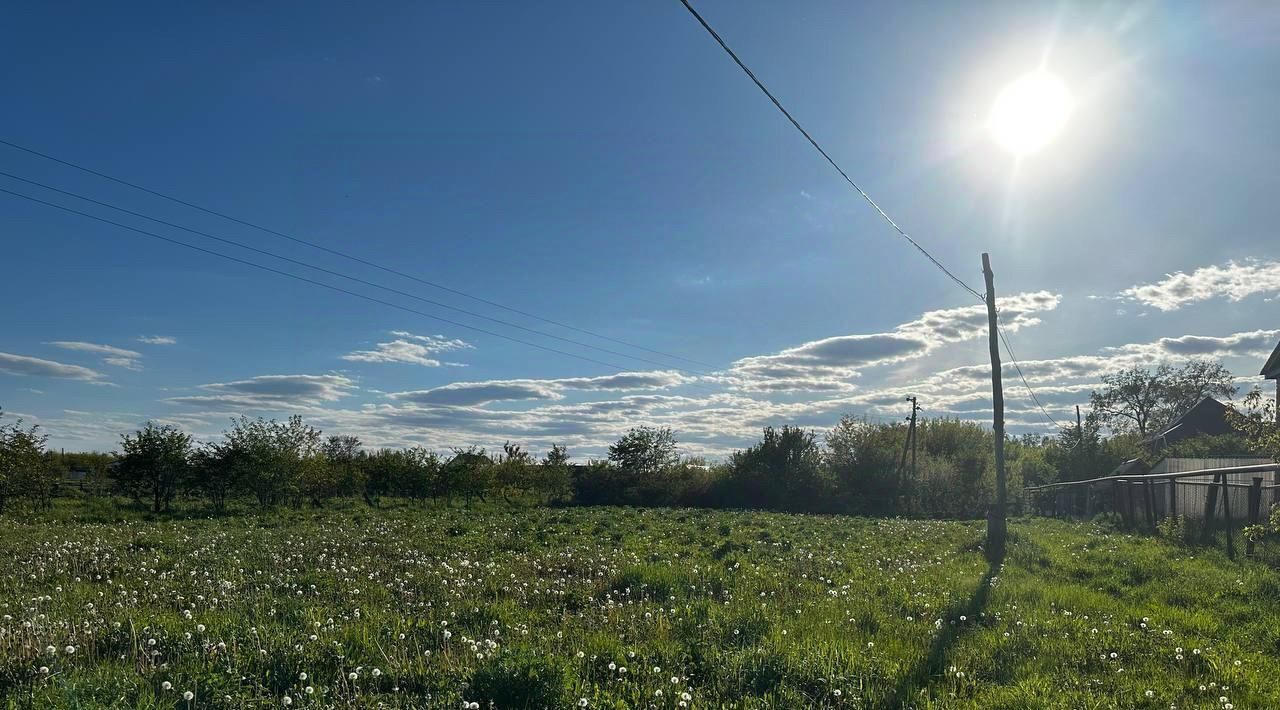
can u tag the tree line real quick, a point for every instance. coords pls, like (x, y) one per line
(855, 467)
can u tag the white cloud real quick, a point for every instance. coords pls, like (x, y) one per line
(272, 391)
(116, 357)
(1257, 343)
(1234, 281)
(157, 339)
(467, 394)
(23, 365)
(96, 348)
(830, 363)
(410, 348)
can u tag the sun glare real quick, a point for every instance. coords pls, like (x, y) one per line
(1030, 113)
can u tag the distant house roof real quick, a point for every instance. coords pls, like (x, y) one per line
(1271, 370)
(1208, 416)
(1132, 467)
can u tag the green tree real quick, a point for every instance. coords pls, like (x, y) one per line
(1256, 421)
(22, 464)
(553, 479)
(863, 459)
(154, 462)
(1141, 401)
(645, 451)
(784, 471)
(269, 457)
(512, 471)
(342, 452)
(469, 473)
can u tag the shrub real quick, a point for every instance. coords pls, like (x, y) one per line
(520, 679)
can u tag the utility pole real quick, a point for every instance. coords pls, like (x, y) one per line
(902, 465)
(914, 408)
(996, 522)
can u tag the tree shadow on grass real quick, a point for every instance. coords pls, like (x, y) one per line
(935, 662)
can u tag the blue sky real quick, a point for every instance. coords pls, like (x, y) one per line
(605, 165)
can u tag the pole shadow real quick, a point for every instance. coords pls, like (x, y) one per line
(934, 663)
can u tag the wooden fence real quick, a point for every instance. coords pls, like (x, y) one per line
(1221, 497)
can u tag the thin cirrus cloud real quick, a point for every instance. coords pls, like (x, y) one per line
(410, 348)
(157, 339)
(1234, 281)
(272, 392)
(469, 394)
(26, 366)
(116, 357)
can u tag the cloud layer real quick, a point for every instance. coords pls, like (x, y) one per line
(23, 365)
(272, 392)
(116, 357)
(1234, 281)
(829, 364)
(476, 393)
(409, 348)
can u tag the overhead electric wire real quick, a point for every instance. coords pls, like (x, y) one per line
(339, 274)
(312, 281)
(346, 255)
(759, 84)
(812, 141)
(1009, 349)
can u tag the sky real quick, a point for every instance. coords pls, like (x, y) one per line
(607, 167)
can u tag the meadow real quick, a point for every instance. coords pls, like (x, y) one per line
(435, 606)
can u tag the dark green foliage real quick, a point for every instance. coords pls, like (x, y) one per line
(784, 471)
(23, 468)
(520, 679)
(154, 462)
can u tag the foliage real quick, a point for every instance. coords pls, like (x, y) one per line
(644, 452)
(269, 458)
(153, 462)
(23, 469)
(1256, 421)
(1141, 401)
(784, 472)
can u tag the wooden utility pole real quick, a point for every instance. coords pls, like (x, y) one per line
(914, 408)
(908, 443)
(996, 523)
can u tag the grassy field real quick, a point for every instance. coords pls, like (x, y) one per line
(621, 608)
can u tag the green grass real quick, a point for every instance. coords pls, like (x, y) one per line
(433, 607)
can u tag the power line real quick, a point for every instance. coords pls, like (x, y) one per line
(304, 279)
(1009, 349)
(348, 256)
(759, 84)
(812, 141)
(344, 276)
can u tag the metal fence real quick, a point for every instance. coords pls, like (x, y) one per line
(1220, 497)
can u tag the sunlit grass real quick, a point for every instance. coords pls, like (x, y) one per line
(439, 606)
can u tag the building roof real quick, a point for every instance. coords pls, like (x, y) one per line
(1271, 370)
(1208, 416)
(1132, 467)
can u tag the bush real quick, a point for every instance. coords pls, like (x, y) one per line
(520, 679)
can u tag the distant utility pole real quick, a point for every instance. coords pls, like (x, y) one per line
(914, 408)
(997, 525)
(907, 444)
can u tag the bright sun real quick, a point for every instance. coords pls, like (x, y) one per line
(1030, 113)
